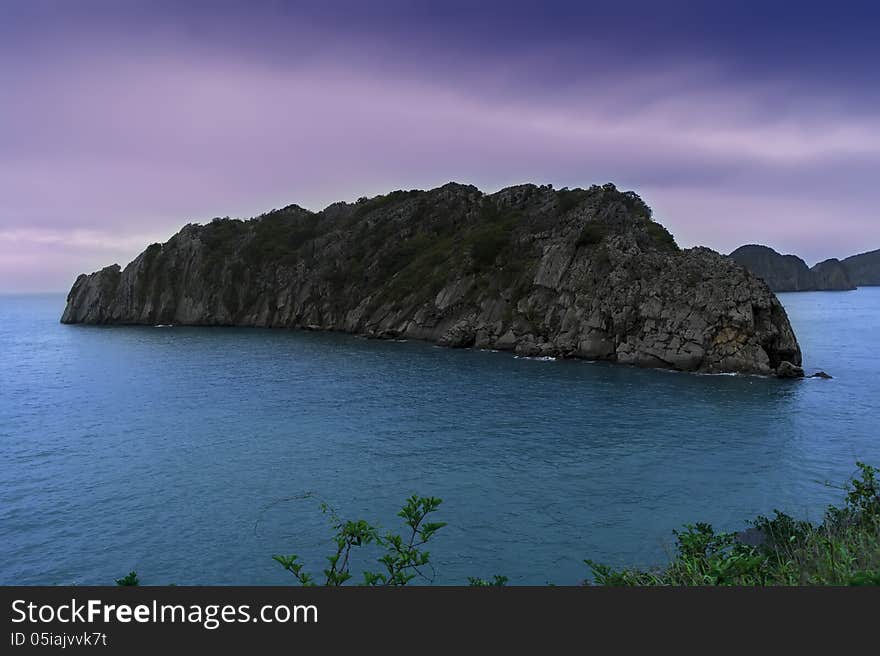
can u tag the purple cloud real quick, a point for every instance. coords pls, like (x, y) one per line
(111, 139)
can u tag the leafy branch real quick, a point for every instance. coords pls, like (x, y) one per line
(403, 560)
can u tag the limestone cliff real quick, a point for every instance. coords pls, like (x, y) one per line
(831, 276)
(789, 273)
(567, 273)
(864, 269)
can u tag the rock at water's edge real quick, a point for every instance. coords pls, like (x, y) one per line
(789, 370)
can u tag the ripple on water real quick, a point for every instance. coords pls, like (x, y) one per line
(158, 450)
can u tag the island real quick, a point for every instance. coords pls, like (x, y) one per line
(789, 273)
(540, 272)
(864, 269)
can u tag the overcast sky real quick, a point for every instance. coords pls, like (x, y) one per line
(745, 122)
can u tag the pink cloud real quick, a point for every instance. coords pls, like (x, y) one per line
(141, 143)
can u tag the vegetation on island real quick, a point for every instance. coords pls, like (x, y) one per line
(842, 549)
(421, 237)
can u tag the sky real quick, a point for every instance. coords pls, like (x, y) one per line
(738, 122)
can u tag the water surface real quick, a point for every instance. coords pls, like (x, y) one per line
(194, 454)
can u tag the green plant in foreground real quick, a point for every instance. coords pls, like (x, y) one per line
(403, 557)
(129, 579)
(496, 582)
(844, 549)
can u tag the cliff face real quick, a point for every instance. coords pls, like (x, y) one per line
(569, 273)
(789, 273)
(831, 276)
(864, 269)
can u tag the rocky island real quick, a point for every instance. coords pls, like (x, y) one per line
(789, 273)
(864, 268)
(582, 273)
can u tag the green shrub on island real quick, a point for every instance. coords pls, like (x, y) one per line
(661, 237)
(591, 234)
(487, 243)
(568, 199)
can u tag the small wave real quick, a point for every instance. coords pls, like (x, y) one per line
(538, 358)
(164, 325)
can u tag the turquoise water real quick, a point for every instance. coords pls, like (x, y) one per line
(188, 454)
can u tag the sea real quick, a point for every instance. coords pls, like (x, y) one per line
(193, 455)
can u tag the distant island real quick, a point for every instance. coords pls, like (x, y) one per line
(789, 273)
(864, 269)
(569, 273)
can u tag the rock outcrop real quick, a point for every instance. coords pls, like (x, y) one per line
(529, 269)
(789, 273)
(788, 370)
(864, 269)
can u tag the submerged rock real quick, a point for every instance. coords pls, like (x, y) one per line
(821, 374)
(568, 273)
